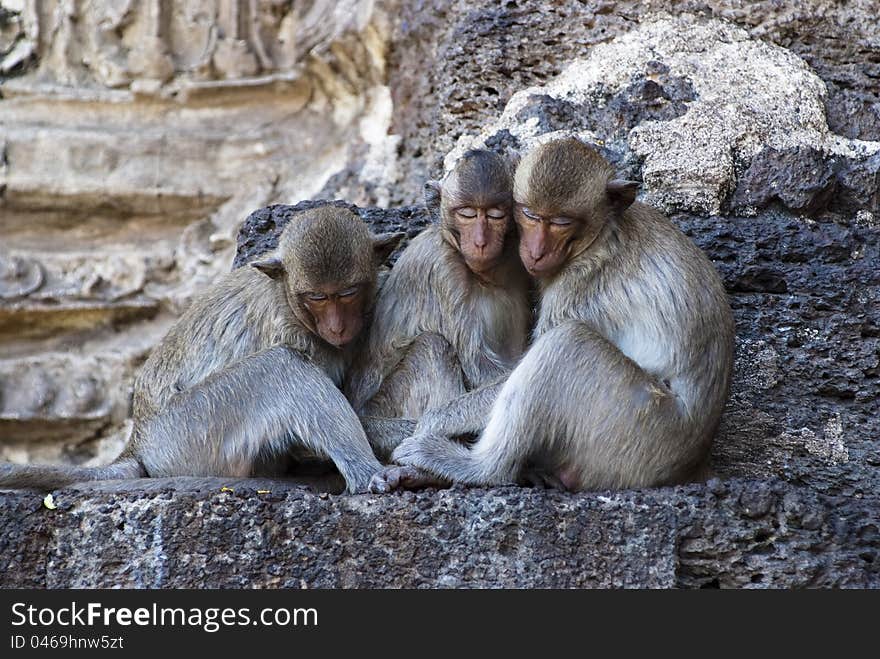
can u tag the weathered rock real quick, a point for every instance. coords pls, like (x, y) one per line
(687, 104)
(191, 533)
(454, 65)
(364, 106)
(800, 178)
(134, 138)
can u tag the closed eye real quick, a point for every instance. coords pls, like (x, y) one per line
(467, 212)
(561, 221)
(348, 292)
(530, 214)
(315, 297)
(496, 213)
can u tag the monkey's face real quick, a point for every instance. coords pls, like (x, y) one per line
(481, 232)
(546, 239)
(327, 261)
(337, 310)
(476, 205)
(565, 196)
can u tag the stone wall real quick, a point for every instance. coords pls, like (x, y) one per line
(134, 137)
(755, 126)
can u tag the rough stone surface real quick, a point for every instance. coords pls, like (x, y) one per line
(455, 64)
(760, 136)
(688, 105)
(193, 533)
(134, 138)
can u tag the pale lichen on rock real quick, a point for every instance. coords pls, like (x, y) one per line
(746, 96)
(124, 184)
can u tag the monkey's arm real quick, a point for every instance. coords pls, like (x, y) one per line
(465, 415)
(384, 434)
(220, 426)
(405, 309)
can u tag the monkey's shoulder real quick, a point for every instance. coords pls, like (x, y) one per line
(425, 254)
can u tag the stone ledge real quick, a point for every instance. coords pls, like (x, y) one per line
(190, 533)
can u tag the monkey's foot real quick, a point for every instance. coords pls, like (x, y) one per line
(403, 478)
(542, 479)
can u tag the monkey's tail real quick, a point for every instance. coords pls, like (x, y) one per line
(43, 477)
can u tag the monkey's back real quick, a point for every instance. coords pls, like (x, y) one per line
(661, 302)
(243, 313)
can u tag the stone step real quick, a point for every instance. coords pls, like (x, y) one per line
(226, 533)
(56, 396)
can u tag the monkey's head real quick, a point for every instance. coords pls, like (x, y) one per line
(328, 260)
(564, 193)
(475, 208)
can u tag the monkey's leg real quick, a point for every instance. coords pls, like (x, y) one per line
(578, 405)
(465, 415)
(263, 403)
(427, 377)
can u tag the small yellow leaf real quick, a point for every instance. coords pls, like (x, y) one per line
(262, 491)
(49, 502)
(226, 489)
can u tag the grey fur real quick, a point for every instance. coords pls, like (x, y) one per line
(440, 330)
(629, 372)
(243, 377)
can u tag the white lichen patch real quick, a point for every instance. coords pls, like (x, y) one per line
(828, 445)
(757, 365)
(866, 219)
(748, 95)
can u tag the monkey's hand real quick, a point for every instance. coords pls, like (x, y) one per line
(411, 450)
(403, 478)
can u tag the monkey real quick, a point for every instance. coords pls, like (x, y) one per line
(629, 370)
(454, 314)
(253, 367)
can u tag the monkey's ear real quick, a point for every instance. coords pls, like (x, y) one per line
(622, 193)
(271, 267)
(385, 243)
(432, 198)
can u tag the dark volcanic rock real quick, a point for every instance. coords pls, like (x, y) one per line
(259, 233)
(806, 181)
(806, 298)
(853, 114)
(801, 178)
(190, 533)
(859, 185)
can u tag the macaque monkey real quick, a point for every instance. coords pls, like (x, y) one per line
(457, 298)
(628, 375)
(252, 369)
(454, 314)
